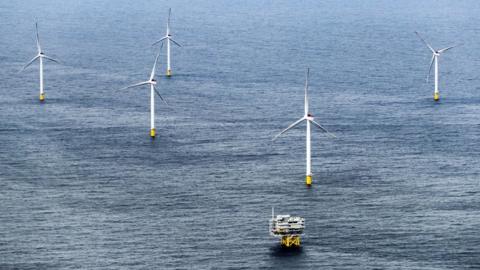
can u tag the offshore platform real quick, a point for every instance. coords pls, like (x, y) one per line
(287, 228)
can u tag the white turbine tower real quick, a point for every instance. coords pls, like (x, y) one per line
(435, 55)
(152, 82)
(40, 55)
(168, 38)
(308, 117)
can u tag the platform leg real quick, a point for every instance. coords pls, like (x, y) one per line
(290, 241)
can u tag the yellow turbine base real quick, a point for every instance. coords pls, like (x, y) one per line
(436, 96)
(308, 180)
(290, 241)
(42, 97)
(152, 133)
(169, 72)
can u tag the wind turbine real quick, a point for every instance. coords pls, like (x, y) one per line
(40, 55)
(168, 38)
(435, 55)
(308, 117)
(152, 82)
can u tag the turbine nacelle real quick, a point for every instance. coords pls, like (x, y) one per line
(40, 55)
(167, 36)
(307, 117)
(435, 55)
(151, 81)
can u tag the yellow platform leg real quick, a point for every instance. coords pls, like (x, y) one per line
(290, 241)
(169, 72)
(42, 97)
(308, 180)
(152, 133)
(436, 96)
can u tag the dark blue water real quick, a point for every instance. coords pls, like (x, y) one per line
(83, 186)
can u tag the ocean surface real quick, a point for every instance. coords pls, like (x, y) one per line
(82, 185)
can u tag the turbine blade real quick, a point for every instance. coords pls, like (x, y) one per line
(160, 40)
(176, 43)
(448, 48)
(428, 45)
(51, 59)
(154, 66)
(306, 90)
(289, 127)
(430, 68)
(158, 93)
(322, 128)
(37, 38)
(135, 85)
(168, 21)
(29, 63)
